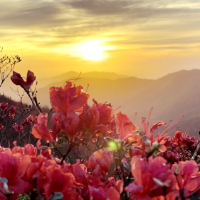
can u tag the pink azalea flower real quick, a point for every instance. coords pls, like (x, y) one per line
(145, 175)
(10, 170)
(40, 129)
(12, 111)
(70, 122)
(100, 162)
(97, 118)
(68, 98)
(18, 80)
(3, 105)
(29, 149)
(126, 128)
(61, 182)
(188, 175)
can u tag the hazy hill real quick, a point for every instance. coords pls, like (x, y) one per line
(74, 75)
(8, 100)
(171, 97)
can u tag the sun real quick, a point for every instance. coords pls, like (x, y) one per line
(91, 50)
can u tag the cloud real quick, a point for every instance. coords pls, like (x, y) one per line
(90, 13)
(100, 7)
(29, 14)
(131, 8)
(127, 22)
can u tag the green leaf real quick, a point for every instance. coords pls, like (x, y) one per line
(23, 197)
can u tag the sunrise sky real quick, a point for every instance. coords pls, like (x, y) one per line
(141, 38)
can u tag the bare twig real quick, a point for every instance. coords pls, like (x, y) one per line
(197, 149)
(7, 65)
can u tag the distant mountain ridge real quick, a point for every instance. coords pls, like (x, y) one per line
(75, 75)
(171, 96)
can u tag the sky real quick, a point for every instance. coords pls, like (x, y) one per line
(141, 38)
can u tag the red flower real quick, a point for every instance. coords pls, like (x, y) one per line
(29, 119)
(138, 152)
(156, 125)
(67, 123)
(182, 147)
(126, 128)
(11, 111)
(188, 175)
(1, 126)
(100, 162)
(79, 171)
(61, 182)
(149, 131)
(68, 98)
(97, 118)
(46, 153)
(145, 173)
(86, 118)
(112, 194)
(104, 112)
(18, 80)
(110, 190)
(184, 140)
(10, 170)
(97, 193)
(3, 105)
(56, 124)
(70, 122)
(16, 127)
(40, 129)
(29, 149)
(30, 167)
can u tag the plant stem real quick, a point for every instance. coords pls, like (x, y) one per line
(66, 154)
(37, 189)
(33, 103)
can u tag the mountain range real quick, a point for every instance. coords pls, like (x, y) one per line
(172, 96)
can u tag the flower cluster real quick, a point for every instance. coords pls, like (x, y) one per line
(104, 155)
(15, 124)
(25, 170)
(181, 147)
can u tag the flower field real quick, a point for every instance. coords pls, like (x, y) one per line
(78, 151)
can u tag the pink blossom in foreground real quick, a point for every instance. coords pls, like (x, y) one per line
(68, 98)
(126, 129)
(18, 80)
(40, 129)
(146, 173)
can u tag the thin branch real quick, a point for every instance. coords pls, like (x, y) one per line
(32, 101)
(37, 189)
(197, 149)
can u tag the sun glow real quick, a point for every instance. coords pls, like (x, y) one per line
(92, 50)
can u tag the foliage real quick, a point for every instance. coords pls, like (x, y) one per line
(23, 197)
